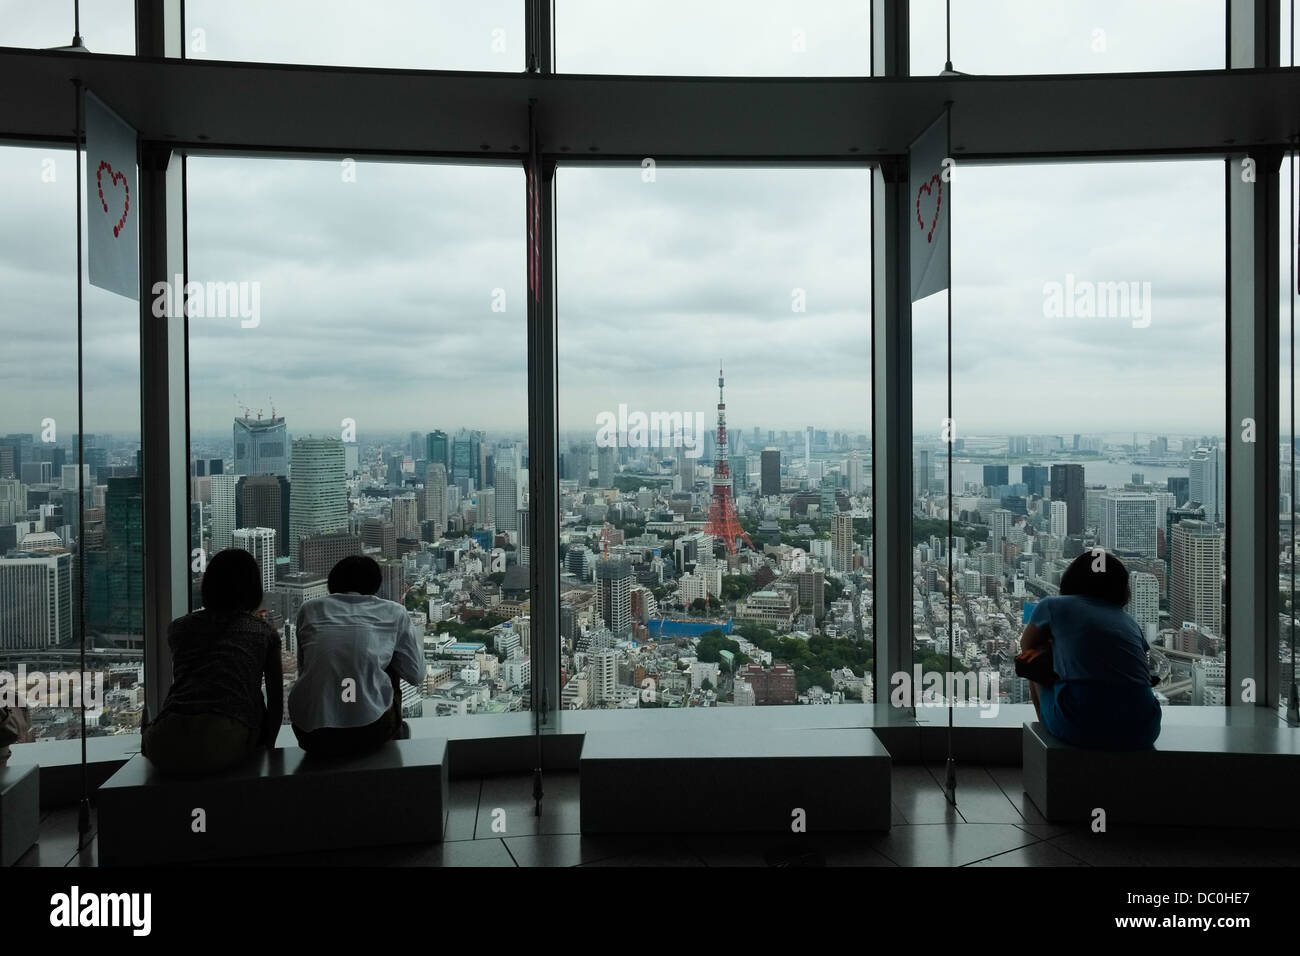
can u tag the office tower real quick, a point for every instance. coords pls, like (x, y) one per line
(287, 596)
(1145, 605)
(35, 601)
(319, 553)
(826, 497)
(1195, 586)
(380, 533)
(485, 503)
(685, 469)
(7, 469)
(812, 591)
(435, 497)
(996, 476)
(224, 504)
(1001, 521)
(770, 472)
(261, 446)
(614, 581)
(604, 673)
(21, 449)
(1067, 486)
(1018, 445)
(319, 503)
(394, 475)
(1180, 488)
(1190, 511)
(465, 463)
(1129, 523)
(1057, 525)
(739, 466)
(856, 472)
(842, 543)
(1035, 478)
(394, 582)
(506, 485)
(260, 543)
(262, 501)
(118, 608)
(406, 518)
(35, 473)
(436, 449)
(524, 527)
(1207, 482)
(921, 473)
(13, 501)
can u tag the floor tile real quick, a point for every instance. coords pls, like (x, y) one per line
(57, 839)
(1181, 846)
(572, 849)
(506, 807)
(462, 809)
(979, 798)
(919, 798)
(950, 844)
(1036, 854)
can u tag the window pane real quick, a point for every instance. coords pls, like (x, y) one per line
(107, 26)
(1088, 397)
(43, 547)
(728, 38)
(665, 602)
(1058, 36)
(363, 389)
(1289, 482)
(397, 34)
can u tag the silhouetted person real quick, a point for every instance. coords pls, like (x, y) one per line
(352, 648)
(214, 716)
(1102, 698)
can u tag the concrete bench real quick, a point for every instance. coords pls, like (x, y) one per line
(733, 780)
(1195, 776)
(20, 810)
(283, 801)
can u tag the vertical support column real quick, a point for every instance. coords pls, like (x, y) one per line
(891, 377)
(1253, 263)
(164, 399)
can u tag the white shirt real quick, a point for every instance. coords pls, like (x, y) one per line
(345, 643)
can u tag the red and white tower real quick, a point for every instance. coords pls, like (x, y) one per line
(723, 522)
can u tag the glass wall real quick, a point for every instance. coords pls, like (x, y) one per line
(1088, 357)
(715, 447)
(107, 26)
(358, 385)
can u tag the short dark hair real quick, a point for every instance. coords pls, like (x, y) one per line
(1109, 584)
(232, 582)
(357, 574)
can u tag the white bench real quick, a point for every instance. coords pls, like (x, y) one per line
(20, 810)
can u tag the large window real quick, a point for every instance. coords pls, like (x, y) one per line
(107, 26)
(358, 386)
(695, 575)
(1088, 359)
(55, 548)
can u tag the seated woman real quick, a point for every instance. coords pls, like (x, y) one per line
(1102, 699)
(214, 716)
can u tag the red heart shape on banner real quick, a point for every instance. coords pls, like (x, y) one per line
(934, 180)
(114, 178)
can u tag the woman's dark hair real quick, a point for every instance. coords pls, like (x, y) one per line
(1109, 584)
(232, 582)
(356, 574)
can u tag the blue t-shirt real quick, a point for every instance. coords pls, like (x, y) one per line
(1093, 640)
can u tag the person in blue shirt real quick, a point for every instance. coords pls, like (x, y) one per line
(1102, 699)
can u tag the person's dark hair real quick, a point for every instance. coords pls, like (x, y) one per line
(357, 574)
(232, 582)
(1109, 584)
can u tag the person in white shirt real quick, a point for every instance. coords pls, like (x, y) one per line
(352, 648)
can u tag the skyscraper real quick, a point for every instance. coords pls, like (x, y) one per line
(1035, 478)
(406, 519)
(485, 501)
(996, 476)
(1057, 525)
(465, 464)
(260, 543)
(262, 501)
(506, 484)
(920, 473)
(1067, 486)
(1145, 605)
(436, 448)
(614, 581)
(1129, 523)
(224, 505)
(770, 472)
(1207, 482)
(36, 597)
(435, 498)
(261, 446)
(842, 543)
(856, 474)
(320, 498)
(380, 533)
(1195, 588)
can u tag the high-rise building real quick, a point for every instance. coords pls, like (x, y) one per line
(260, 543)
(1035, 478)
(1057, 523)
(406, 516)
(604, 673)
(435, 498)
(465, 460)
(739, 468)
(320, 552)
(1129, 523)
(1145, 604)
(1067, 486)
(262, 501)
(856, 472)
(921, 473)
(319, 503)
(1195, 586)
(1207, 482)
(486, 502)
(524, 526)
(436, 448)
(1180, 487)
(380, 533)
(996, 476)
(261, 446)
(770, 472)
(506, 485)
(224, 506)
(35, 600)
(1191, 511)
(842, 543)
(614, 581)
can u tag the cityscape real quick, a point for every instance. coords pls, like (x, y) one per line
(731, 571)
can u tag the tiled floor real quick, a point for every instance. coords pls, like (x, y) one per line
(491, 822)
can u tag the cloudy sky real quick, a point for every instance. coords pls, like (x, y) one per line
(377, 296)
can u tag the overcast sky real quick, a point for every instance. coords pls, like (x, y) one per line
(377, 295)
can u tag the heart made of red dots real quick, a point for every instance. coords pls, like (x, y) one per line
(935, 180)
(114, 178)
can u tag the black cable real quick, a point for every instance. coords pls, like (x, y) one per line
(950, 782)
(947, 35)
(83, 816)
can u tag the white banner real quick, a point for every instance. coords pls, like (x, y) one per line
(112, 234)
(930, 191)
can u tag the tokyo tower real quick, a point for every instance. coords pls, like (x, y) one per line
(723, 522)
